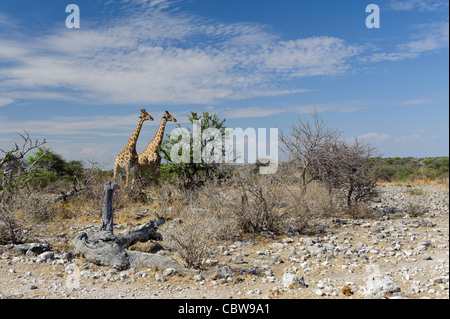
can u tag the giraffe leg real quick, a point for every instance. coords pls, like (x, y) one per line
(127, 171)
(135, 172)
(142, 170)
(155, 173)
(116, 170)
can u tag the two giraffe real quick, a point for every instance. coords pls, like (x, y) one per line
(129, 160)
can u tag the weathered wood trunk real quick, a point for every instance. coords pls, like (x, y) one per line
(102, 247)
(107, 213)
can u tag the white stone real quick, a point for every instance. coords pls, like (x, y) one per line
(319, 292)
(377, 286)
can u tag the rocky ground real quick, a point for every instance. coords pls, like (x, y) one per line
(402, 253)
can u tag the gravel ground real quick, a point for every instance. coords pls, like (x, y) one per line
(402, 254)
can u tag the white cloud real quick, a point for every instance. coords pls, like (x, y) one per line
(164, 56)
(407, 138)
(5, 101)
(416, 102)
(427, 38)
(375, 137)
(311, 56)
(255, 111)
(70, 125)
(251, 112)
(120, 126)
(104, 153)
(420, 5)
(432, 36)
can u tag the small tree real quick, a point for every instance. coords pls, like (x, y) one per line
(308, 144)
(351, 167)
(193, 172)
(323, 156)
(48, 160)
(52, 161)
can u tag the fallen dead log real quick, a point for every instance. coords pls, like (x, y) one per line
(103, 247)
(143, 234)
(64, 196)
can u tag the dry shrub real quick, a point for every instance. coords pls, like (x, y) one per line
(247, 203)
(358, 211)
(170, 200)
(309, 205)
(90, 191)
(415, 192)
(192, 236)
(415, 210)
(25, 216)
(251, 203)
(196, 223)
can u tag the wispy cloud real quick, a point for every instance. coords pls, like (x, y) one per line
(432, 36)
(161, 55)
(420, 5)
(416, 102)
(427, 38)
(107, 125)
(374, 137)
(255, 111)
(71, 125)
(407, 138)
(5, 101)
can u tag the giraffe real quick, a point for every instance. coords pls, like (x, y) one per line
(150, 157)
(128, 158)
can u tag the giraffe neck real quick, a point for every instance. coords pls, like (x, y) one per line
(157, 140)
(134, 137)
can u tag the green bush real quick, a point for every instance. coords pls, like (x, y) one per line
(54, 162)
(407, 169)
(403, 173)
(40, 178)
(385, 173)
(193, 174)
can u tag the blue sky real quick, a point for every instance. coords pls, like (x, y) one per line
(257, 63)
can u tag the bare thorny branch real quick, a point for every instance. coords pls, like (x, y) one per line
(19, 152)
(308, 145)
(322, 155)
(13, 171)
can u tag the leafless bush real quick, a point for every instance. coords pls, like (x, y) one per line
(415, 210)
(351, 169)
(15, 193)
(88, 192)
(191, 236)
(358, 210)
(13, 170)
(308, 144)
(322, 156)
(252, 203)
(246, 203)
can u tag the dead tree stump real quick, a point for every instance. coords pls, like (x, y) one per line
(102, 247)
(107, 213)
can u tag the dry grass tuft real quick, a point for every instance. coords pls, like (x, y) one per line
(422, 181)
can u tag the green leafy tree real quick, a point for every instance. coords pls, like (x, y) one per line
(54, 162)
(195, 171)
(49, 160)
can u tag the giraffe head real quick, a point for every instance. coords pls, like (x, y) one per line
(145, 116)
(169, 117)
